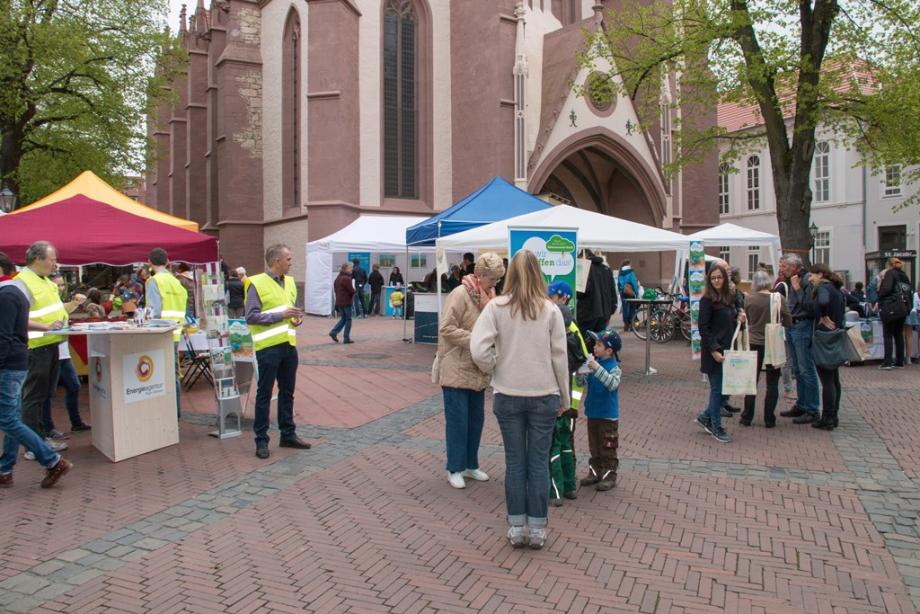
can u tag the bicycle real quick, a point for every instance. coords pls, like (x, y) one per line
(665, 320)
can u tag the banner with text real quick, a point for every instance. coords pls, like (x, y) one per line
(555, 249)
(696, 287)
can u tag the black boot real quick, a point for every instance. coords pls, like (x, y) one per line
(825, 423)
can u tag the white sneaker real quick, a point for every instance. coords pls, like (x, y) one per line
(792, 394)
(56, 434)
(55, 446)
(517, 537)
(476, 474)
(537, 538)
(456, 479)
(28, 456)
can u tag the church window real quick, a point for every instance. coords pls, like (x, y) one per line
(400, 100)
(290, 113)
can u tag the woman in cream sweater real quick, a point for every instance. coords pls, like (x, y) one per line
(520, 339)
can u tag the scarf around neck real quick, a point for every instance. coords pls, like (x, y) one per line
(472, 285)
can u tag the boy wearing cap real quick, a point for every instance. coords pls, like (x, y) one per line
(562, 453)
(602, 407)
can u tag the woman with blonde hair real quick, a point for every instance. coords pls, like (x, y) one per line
(520, 339)
(463, 384)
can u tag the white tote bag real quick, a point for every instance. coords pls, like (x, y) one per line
(774, 335)
(739, 370)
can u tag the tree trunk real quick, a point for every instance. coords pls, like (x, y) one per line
(10, 156)
(792, 185)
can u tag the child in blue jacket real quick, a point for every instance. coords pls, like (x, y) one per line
(602, 408)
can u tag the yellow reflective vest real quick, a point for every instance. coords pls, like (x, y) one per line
(174, 297)
(275, 299)
(577, 391)
(46, 309)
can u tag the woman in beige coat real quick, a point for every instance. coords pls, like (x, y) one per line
(461, 380)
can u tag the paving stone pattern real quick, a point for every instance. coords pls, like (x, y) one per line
(782, 520)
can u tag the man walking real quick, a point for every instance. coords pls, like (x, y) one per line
(46, 313)
(167, 300)
(271, 315)
(14, 362)
(360, 276)
(805, 409)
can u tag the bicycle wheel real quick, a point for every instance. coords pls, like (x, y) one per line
(685, 325)
(638, 322)
(662, 326)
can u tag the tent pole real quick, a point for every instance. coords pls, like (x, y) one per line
(406, 302)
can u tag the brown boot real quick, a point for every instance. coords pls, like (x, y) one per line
(53, 474)
(6, 480)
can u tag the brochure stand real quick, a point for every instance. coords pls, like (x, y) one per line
(215, 323)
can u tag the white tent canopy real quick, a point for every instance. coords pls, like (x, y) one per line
(594, 230)
(732, 235)
(368, 233)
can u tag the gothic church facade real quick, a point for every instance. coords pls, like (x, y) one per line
(297, 116)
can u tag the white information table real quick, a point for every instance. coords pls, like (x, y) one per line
(132, 390)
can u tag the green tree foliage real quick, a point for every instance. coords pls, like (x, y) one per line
(75, 80)
(851, 65)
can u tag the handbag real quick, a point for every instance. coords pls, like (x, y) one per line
(628, 291)
(829, 348)
(774, 335)
(857, 351)
(436, 365)
(739, 369)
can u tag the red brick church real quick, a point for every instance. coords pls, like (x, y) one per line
(297, 116)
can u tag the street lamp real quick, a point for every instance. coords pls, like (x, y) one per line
(7, 199)
(813, 229)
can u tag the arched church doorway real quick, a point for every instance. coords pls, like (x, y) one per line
(600, 171)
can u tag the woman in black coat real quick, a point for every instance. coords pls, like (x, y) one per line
(718, 318)
(894, 284)
(396, 277)
(830, 307)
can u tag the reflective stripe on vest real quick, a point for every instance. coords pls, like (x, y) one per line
(275, 299)
(46, 309)
(174, 298)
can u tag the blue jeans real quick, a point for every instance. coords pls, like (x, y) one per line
(344, 321)
(629, 312)
(375, 303)
(67, 375)
(278, 362)
(716, 399)
(527, 433)
(464, 415)
(14, 431)
(804, 363)
(359, 301)
(397, 311)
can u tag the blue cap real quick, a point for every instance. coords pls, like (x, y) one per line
(560, 288)
(608, 337)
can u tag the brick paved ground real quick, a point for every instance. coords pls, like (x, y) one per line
(781, 520)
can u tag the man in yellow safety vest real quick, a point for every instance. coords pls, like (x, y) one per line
(166, 299)
(46, 314)
(271, 315)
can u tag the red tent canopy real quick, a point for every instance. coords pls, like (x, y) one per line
(86, 231)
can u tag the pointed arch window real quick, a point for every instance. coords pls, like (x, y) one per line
(291, 197)
(400, 99)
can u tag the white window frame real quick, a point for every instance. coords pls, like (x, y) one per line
(753, 183)
(753, 259)
(725, 253)
(891, 185)
(823, 246)
(821, 171)
(724, 199)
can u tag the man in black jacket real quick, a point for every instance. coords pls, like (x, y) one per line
(376, 281)
(360, 276)
(599, 300)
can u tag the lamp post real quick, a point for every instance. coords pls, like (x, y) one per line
(8, 199)
(813, 229)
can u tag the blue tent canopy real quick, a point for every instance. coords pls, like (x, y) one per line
(495, 201)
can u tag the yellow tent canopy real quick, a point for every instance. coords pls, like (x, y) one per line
(92, 186)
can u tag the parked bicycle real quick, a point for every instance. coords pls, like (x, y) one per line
(665, 320)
